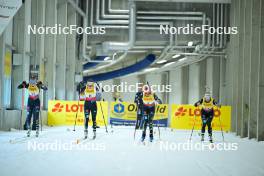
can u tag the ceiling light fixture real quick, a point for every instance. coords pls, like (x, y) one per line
(106, 58)
(182, 59)
(162, 61)
(190, 43)
(176, 56)
(150, 69)
(168, 64)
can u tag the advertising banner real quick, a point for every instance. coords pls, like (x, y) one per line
(125, 113)
(64, 113)
(185, 116)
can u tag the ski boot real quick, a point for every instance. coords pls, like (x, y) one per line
(28, 132)
(94, 135)
(85, 134)
(210, 138)
(37, 132)
(151, 138)
(142, 138)
(202, 138)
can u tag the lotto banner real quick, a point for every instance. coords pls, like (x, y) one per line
(64, 113)
(185, 116)
(125, 113)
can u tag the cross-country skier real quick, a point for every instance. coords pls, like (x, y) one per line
(149, 99)
(33, 104)
(207, 114)
(139, 102)
(90, 107)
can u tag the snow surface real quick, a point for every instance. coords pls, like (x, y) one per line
(121, 155)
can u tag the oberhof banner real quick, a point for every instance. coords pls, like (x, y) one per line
(125, 113)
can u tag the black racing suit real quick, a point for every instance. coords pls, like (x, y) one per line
(148, 115)
(89, 107)
(33, 104)
(206, 116)
(139, 103)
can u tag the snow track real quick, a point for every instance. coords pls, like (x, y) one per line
(120, 155)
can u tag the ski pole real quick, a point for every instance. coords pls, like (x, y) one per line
(103, 117)
(192, 128)
(22, 106)
(138, 123)
(135, 130)
(158, 129)
(76, 115)
(221, 126)
(40, 120)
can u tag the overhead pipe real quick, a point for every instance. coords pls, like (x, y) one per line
(204, 22)
(132, 32)
(225, 22)
(208, 34)
(126, 22)
(123, 56)
(121, 11)
(166, 49)
(153, 12)
(113, 22)
(162, 12)
(99, 21)
(76, 7)
(221, 25)
(189, 1)
(124, 13)
(85, 20)
(217, 22)
(135, 47)
(160, 47)
(213, 42)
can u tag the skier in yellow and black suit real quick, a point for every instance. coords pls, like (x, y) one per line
(33, 105)
(91, 96)
(149, 100)
(207, 114)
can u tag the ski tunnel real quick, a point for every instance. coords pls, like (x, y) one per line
(131, 87)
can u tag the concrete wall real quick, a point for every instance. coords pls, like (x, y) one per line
(189, 82)
(245, 68)
(54, 55)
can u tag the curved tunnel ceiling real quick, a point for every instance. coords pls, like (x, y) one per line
(123, 71)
